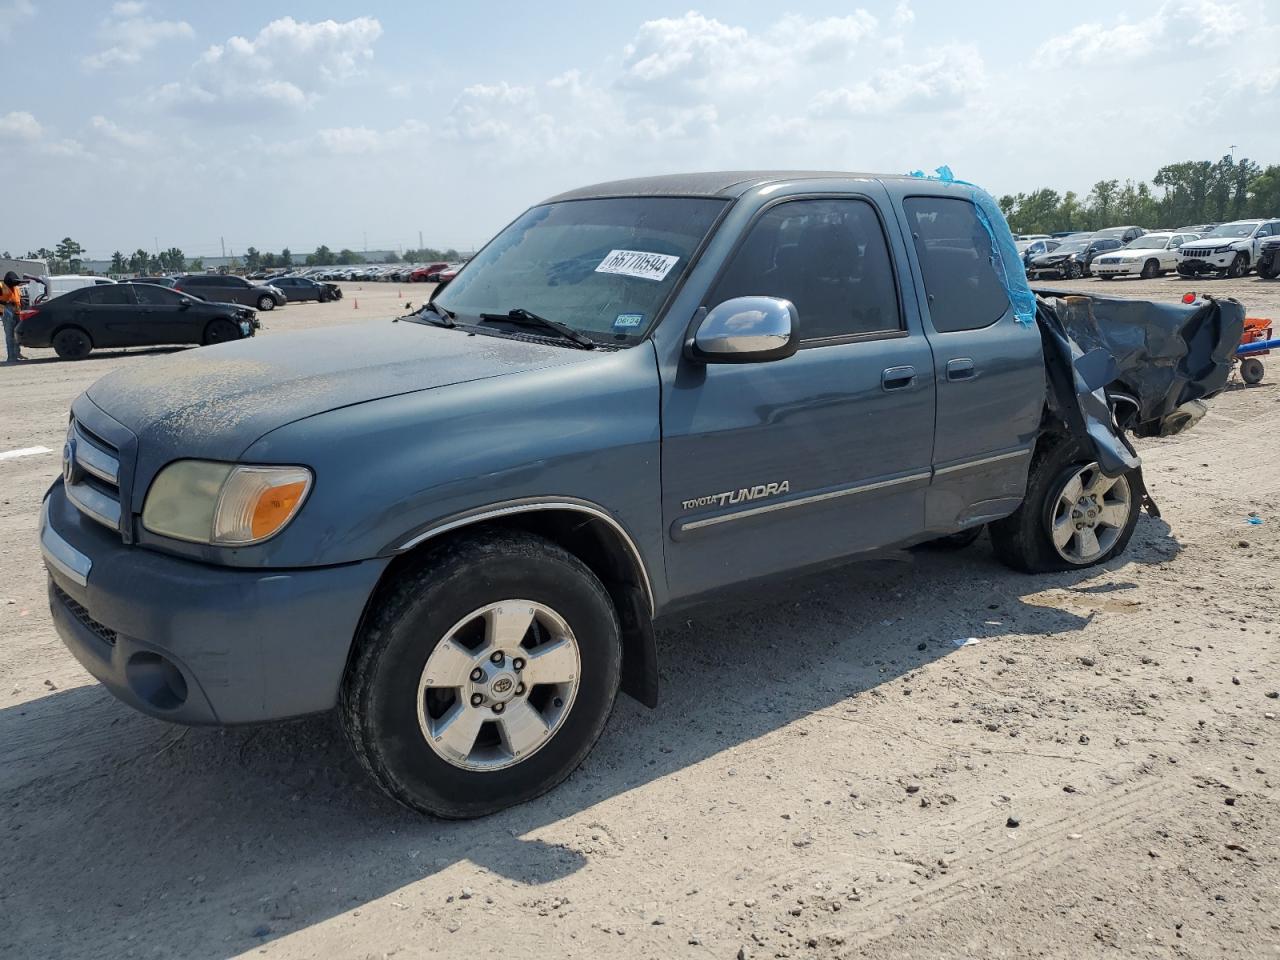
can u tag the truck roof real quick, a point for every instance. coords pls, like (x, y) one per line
(722, 183)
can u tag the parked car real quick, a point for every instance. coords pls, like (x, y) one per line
(1123, 234)
(1269, 259)
(231, 289)
(129, 315)
(155, 281)
(1032, 248)
(56, 286)
(1229, 250)
(420, 274)
(447, 274)
(397, 518)
(1062, 234)
(1151, 255)
(1197, 228)
(297, 289)
(1072, 260)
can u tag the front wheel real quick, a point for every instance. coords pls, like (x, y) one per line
(483, 675)
(1239, 267)
(1073, 516)
(1073, 271)
(266, 303)
(221, 331)
(1150, 270)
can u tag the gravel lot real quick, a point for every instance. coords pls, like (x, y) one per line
(829, 774)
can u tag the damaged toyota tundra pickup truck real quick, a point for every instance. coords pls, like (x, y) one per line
(459, 527)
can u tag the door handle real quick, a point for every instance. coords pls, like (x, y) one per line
(961, 368)
(898, 378)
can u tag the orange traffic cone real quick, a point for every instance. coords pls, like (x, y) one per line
(355, 304)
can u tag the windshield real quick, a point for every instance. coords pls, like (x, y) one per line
(603, 267)
(1233, 230)
(1152, 241)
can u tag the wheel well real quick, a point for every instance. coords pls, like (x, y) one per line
(606, 552)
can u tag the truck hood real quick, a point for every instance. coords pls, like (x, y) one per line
(214, 402)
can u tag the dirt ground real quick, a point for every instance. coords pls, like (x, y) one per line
(829, 774)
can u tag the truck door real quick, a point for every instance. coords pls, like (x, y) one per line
(988, 367)
(771, 466)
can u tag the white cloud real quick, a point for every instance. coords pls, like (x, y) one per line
(20, 125)
(1173, 25)
(109, 130)
(701, 54)
(127, 39)
(903, 15)
(946, 81)
(287, 65)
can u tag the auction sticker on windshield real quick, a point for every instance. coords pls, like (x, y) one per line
(637, 263)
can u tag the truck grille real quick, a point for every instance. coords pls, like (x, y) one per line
(103, 632)
(92, 476)
(1196, 254)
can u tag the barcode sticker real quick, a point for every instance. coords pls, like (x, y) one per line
(637, 263)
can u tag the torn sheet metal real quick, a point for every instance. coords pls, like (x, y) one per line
(1134, 365)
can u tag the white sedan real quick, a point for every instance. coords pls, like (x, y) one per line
(1151, 255)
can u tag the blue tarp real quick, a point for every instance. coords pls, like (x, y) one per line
(1004, 254)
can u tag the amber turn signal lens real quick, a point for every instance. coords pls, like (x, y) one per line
(275, 506)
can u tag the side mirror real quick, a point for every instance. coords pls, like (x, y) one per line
(746, 330)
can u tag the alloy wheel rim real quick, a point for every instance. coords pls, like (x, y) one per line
(1089, 515)
(499, 685)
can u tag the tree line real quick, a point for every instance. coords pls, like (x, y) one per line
(1180, 194)
(68, 257)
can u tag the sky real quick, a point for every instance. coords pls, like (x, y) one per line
(370, 124)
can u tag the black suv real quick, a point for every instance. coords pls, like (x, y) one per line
(229, 289)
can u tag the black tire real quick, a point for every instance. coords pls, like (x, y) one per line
(1150, 270)
(1251, 370)
(409, 618)
(72, 343)
(1073, 271)
(1105, 276)
(1186, 274)
(1023, 540)
(221, 331)
(266, 303)
(1271, 271)
(1239, 266)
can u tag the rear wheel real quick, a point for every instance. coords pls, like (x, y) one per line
(1151, 270)
(72, 343)
(266, 303)
(221, 331)
(483, 675)
(1251, 370)
(1073, 515)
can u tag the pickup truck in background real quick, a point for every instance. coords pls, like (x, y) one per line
(458, 528)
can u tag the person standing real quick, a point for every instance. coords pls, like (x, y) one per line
(11, 304)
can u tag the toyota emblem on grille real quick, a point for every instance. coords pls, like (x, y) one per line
(69, 462)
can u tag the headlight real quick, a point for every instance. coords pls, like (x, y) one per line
(1227, 248)
(224, 504)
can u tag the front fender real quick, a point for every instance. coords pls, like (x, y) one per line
(390, 470)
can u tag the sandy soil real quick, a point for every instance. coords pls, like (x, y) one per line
(829, 775)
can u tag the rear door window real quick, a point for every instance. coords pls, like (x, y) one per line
(114, 294)
(955, 256)
(156, 296)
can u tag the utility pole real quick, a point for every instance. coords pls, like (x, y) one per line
(1232, 154)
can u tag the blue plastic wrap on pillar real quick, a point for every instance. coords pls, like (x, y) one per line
(1004, 254)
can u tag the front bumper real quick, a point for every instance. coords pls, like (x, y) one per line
(1053, 272)
(194, 643)
(1210, 262)
(1116, 269)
